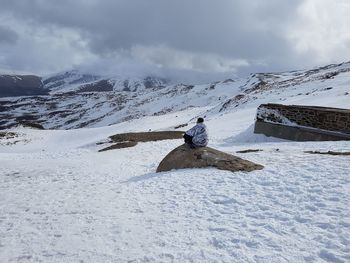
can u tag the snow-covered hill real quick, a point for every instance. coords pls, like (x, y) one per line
(85, 100)
(63, 201)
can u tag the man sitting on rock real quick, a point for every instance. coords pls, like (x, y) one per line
(197, 136)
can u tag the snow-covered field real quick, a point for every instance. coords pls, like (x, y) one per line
(62, 201)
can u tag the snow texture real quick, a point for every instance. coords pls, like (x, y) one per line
(62, 201)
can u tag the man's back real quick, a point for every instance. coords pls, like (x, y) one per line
(199, 135)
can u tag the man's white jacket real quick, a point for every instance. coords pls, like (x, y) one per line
(199, 134)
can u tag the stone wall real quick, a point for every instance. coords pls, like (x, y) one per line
(303, 123)
(330, 119)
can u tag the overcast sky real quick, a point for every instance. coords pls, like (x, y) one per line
(216, 36)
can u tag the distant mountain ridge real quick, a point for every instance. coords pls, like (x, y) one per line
(21, 85)
(83, 82)
(73, 99)
(73, 81)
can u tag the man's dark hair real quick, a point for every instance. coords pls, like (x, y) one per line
(200, 120)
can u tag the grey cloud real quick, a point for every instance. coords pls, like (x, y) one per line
(251, 30)
(7, 36)
(224, 26)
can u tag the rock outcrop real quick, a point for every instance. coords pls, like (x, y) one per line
(185, 157)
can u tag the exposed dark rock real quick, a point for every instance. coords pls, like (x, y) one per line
(32, 125)
(184, 157)
(154, 83)
(330, 75)
(61, 113)
(25, 118)
(99, 86)
(3, 108)
(163, 112)
(180, 126)
(8, 135)
(233, 101)
(260, 86)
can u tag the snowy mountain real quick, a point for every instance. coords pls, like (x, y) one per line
(21, 85)
(78, 100)
(75, 81)
(61, 200)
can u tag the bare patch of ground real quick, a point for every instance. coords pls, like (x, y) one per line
(250, 151)
(119, 145)
(147, 136)
(125, 140)
(329, 153)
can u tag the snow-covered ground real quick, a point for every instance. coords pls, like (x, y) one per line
(62, 201)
